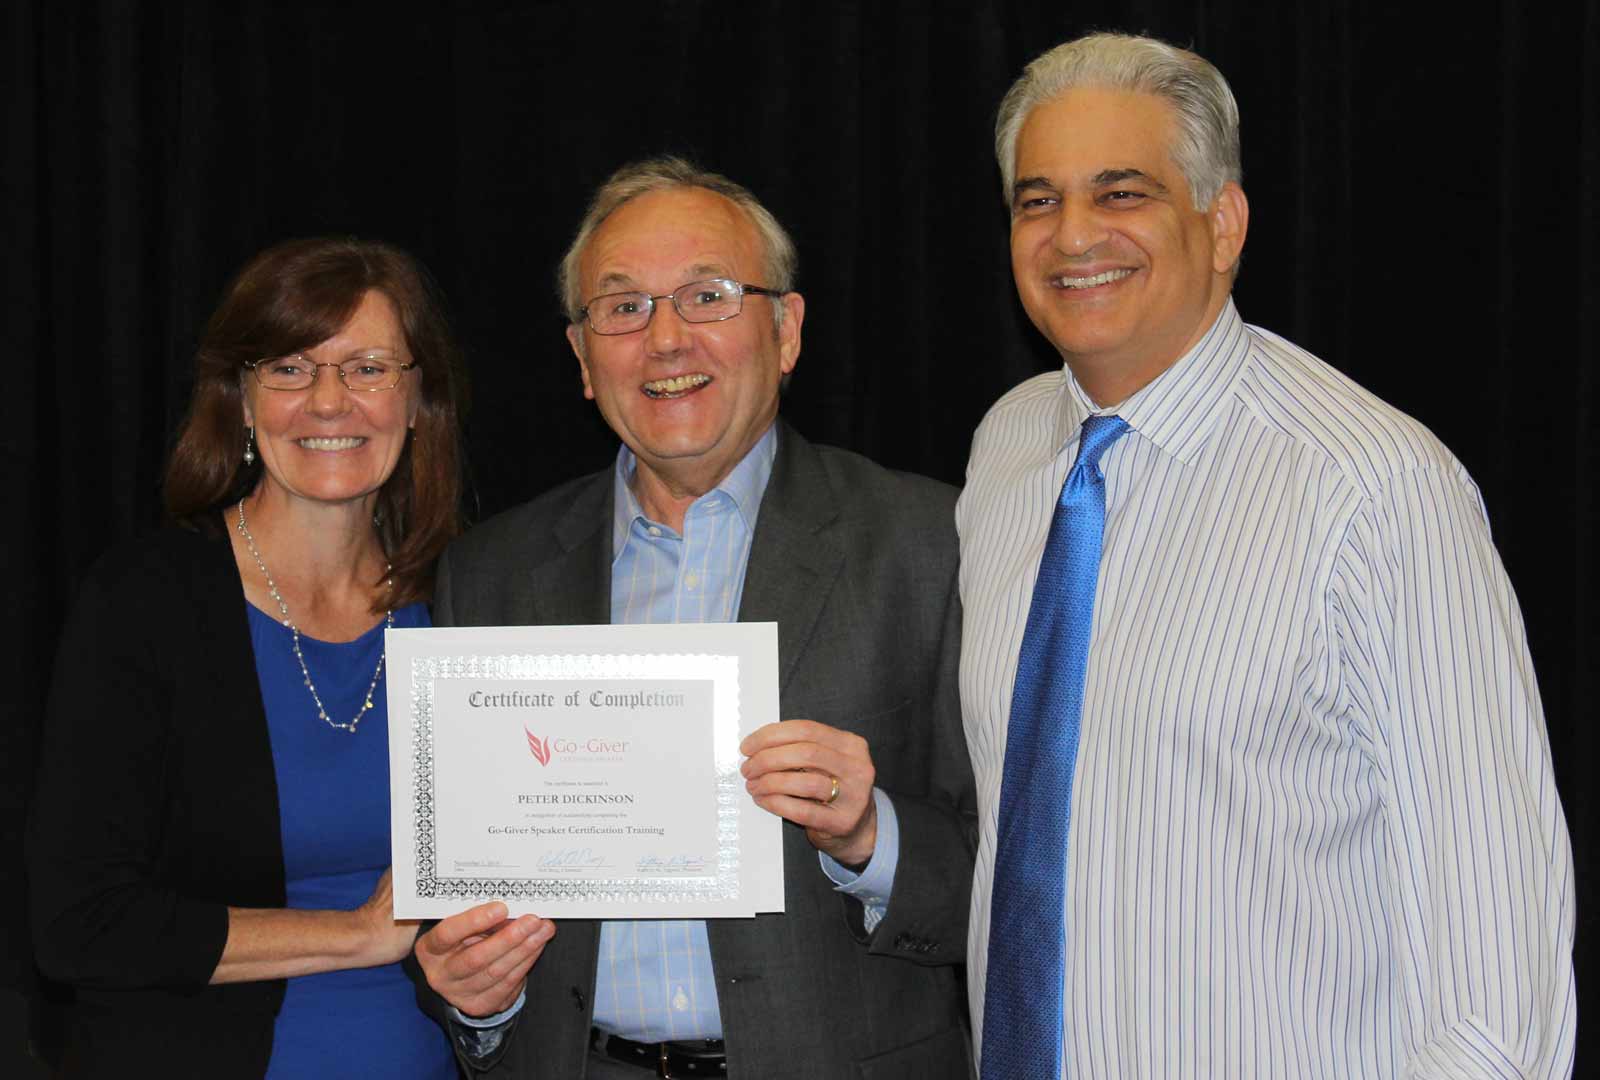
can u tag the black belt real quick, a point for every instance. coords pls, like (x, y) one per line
(702, 1057)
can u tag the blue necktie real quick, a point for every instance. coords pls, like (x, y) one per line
(1022, 1012)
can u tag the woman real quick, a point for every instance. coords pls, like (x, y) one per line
(209, 843)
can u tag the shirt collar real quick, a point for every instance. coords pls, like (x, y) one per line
(1178, 408)
(744, 485)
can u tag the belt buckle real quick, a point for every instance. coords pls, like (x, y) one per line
(661, 1061)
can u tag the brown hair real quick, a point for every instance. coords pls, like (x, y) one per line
(294, 296)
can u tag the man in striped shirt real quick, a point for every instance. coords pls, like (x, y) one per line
(1313, 829)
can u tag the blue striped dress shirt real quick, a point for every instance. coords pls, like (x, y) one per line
(1315, 828)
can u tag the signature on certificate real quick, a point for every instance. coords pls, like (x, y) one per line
(671, 864)
(571, 859)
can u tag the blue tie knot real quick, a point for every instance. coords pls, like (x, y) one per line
(1099, 432)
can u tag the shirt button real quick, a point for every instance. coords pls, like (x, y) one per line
(691, 579)
(654, 530)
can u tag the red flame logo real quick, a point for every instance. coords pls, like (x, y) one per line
(539, 747)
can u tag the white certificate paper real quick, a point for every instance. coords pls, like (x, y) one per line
(581, 771)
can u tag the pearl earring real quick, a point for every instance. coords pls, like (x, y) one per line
(249, 446)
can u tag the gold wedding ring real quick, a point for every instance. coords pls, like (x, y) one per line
(834, 794)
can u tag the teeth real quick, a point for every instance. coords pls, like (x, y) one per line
(1090, 282)
(349, 442)
(678, 384)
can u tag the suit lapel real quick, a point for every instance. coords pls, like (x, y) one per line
(795, 556)
(574, 587)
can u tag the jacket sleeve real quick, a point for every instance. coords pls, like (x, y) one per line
(926, 920)
(100, 917)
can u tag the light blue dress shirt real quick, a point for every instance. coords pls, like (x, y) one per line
(655, 981)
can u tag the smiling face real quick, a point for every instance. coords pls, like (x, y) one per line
(1112, 261)
(689, 399)
(328, 444)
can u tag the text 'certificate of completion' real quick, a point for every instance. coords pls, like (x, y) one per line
(581, 771)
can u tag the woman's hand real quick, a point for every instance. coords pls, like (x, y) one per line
(281, 943)
(388, 941)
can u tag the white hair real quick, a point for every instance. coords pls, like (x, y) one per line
(780, 261)
(1205, 146)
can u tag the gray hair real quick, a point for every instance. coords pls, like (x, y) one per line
(780, 260)
(1205, 146)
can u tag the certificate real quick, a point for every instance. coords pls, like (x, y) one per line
(581, 772)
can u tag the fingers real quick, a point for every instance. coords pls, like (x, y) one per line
(451, 932)
(482, 972)
(814, 785)
(810, 773)
(811, 746)
(797, 731)
(818, 777)
(801, 798)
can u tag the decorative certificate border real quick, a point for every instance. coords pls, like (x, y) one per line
(637, 891)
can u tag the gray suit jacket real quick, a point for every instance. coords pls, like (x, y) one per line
(857, 566)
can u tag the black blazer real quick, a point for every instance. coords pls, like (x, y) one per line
(857, 566)
(156, 807)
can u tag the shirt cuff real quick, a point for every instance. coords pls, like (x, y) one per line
(480, 1036)
(873, 884)
(489, 1021)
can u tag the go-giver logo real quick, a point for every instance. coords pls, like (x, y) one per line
(539, 747)
(545, 750)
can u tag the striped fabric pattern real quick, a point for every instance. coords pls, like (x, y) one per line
(655, 980)
(1315, 826)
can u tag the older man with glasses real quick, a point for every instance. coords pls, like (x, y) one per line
(678, 290)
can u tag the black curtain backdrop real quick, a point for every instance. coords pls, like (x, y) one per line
(1423, 186)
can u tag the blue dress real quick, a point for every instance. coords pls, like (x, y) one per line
(333, 797)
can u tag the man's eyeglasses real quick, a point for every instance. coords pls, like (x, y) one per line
(711, 300)
(298, 372)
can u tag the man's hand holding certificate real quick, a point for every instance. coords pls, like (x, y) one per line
(821, 779)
